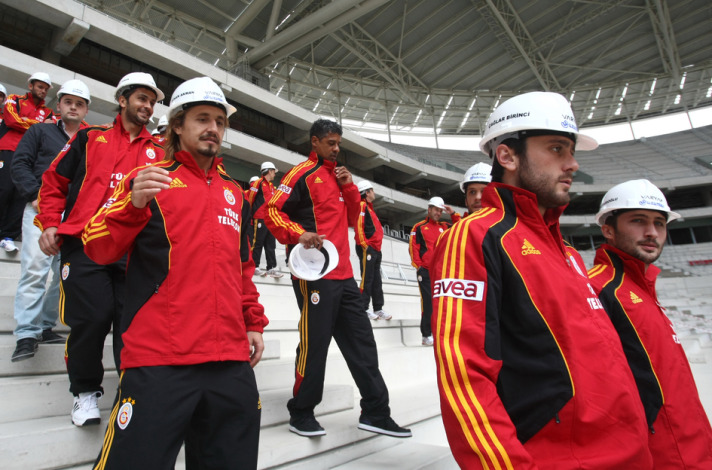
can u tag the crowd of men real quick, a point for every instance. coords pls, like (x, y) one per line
(541, 364)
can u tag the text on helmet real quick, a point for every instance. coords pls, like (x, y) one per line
(509, 116)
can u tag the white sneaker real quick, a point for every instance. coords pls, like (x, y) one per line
(383, 315)
(86, 409)
(8, 245)
(259, 272)
(274, 273)
(427, 340)
(371, 315)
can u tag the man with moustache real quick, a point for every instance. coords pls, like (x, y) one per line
(36, 304)
(633, 219)
(79, 181)
(190, 341)
(20, 113)
(530, 369)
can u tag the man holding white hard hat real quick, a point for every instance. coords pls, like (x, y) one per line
(312, 210)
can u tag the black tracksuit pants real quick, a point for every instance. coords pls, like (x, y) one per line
(332, 308)
(12, 204)
(262, 237)
(214, 407)
(426, 302)
(371, 283)
(90, 301)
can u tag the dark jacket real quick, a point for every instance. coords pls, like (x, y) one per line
(35, 152)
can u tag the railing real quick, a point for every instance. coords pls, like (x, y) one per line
(398, 272)
(397, 234)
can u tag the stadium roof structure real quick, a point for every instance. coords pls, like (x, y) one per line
(446, 64)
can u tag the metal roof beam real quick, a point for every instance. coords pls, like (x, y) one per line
(380, 59)
(317, 25)
(665, 37)
(519, 37)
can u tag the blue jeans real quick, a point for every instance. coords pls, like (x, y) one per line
(36, 304)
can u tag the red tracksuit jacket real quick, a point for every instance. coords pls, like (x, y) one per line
(19, 114)
(190, 298)
(309, 199)
(368, 229)
(531, 372)
(423, 237)
(87, 171)
(260, 192)
(680, 436)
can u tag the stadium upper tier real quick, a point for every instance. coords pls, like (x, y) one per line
(101, 49)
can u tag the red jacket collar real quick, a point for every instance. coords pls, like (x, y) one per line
(329, 165)
(119, 124)
(31, 99)
(635, 268)
(187, 159)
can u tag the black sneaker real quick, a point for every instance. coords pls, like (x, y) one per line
(50, 337)
(383, 426)
(26, 349)
(307, 426)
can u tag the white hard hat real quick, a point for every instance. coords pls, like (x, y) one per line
(162, 123)
(41, 76)
(478, 173)
(311, 264)
(2, 89)
(198, 90)
(138, 79)
(634, 194)
(253, 179)
(364, 185)
(437, 202)
(74, 88)
(267, 166)
(535, 111)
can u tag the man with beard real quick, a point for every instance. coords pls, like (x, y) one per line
(530, 370)
(78, 182)
(36, 304)
(421, 247)
(633, 219)
(477, 177)
(190, 342)
(20, 113)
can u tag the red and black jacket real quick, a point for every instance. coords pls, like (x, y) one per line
(422, 241)
(20, 112)
(368, 231)
(680, 434)
(189, 271)
(87, 171)
(530, 370)
(310, 199)
(260, 192)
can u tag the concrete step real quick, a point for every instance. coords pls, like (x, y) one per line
(398, 365)
(44, 396)
(35, 397)
(68, 445)
(343, 441)
(411, 455)
(387, 334)
(49, 358)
